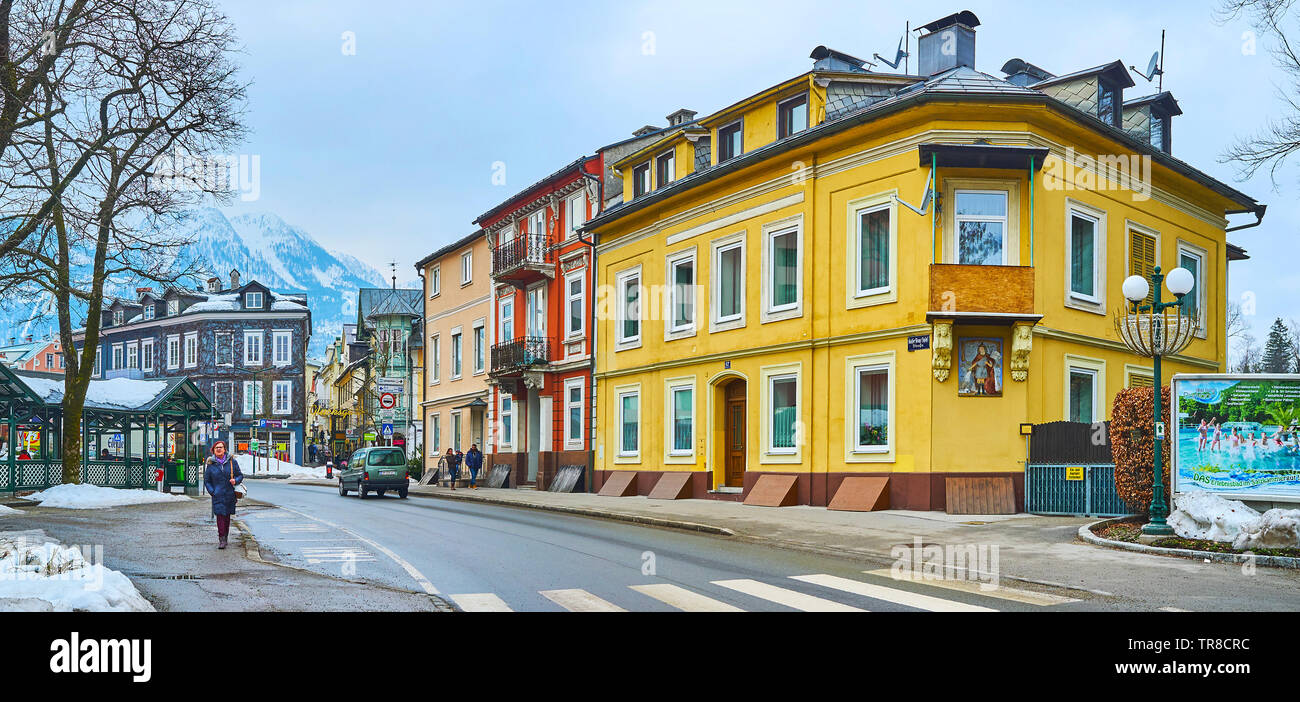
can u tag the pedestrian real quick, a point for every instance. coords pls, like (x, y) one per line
(220, 476)
(311, 452)
(103, 454)
(473, 461)
(453, 466)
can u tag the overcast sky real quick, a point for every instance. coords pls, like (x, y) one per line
(388, 154)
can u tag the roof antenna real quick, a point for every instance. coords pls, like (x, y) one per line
(1156, 66)
(900, 54)
(393, 265)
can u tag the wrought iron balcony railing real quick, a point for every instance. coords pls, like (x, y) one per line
(523, 250)
(518, 354)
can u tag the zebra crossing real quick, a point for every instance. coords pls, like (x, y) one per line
(829, 595)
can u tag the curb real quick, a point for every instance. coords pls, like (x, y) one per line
(577, 511)
(1086, 534)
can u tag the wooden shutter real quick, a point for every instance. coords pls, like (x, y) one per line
(1139, 381)
(1142, 256)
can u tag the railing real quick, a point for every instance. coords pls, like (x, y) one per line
(42, 474)
(520, 353)
(524, 249)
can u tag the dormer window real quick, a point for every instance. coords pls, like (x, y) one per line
(253, 300)
(1160, 129)
(792, 116)
(148, 311)
(641, 180)
(117, 317)
(173, 308)
(1108, 103)
(730, 142)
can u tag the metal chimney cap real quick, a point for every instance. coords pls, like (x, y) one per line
(965, 17)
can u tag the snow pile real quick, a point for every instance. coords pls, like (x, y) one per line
(1276, 528)
(1203, 515)
(34, 572)
(118, 392)
(83, 496)
(4, 511)
(276, 467)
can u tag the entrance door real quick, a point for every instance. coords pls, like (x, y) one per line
(735, 434)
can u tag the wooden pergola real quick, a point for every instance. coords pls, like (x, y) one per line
(131, 429)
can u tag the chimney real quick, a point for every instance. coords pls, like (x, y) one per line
(234, 279)
(948, 43)
(828, 59)
(681, 116)
(28, 340)
(1023, 73)
(214, 284)
(141, 291)
(648, 129)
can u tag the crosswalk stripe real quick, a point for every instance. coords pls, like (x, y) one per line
(1040, 599)
(889, 594)
(1173, 609)
(789, 598)
(580, 601)
(481, 602)
(684, 599)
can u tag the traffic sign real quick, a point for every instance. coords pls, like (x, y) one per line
(388, 400)
(387, 430)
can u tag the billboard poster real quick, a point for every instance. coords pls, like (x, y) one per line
(1237, 435)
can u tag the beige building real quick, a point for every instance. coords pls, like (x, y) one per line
(458, 334)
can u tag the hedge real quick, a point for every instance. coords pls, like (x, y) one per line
(1132, 411)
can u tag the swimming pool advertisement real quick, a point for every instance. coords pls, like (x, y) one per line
(1237, 435)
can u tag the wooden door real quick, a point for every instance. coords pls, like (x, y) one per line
(735, 434)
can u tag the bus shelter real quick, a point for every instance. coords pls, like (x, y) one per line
(133, 431)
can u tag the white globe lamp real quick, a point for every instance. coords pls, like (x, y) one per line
(1180, 281)
(1136, 288)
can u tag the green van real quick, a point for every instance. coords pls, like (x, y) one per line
(377, 469)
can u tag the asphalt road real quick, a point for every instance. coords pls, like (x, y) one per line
(486, 557)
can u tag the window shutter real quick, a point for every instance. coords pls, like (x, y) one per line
(1142, 257)
(1139, 381)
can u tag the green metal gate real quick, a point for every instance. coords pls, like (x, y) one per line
(1070, 471)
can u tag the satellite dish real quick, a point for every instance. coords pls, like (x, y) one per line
(899, 55)
(1153, 66)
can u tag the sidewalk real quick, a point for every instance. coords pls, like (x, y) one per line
(1032, 548)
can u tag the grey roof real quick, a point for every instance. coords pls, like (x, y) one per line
(505, 204)
(379, 302)
(1114, 68)
(458, 244)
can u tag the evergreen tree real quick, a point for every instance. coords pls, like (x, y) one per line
(1277, 349)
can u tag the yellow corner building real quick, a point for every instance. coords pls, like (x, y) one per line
(856, 274)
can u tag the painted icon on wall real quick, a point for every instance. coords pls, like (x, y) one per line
(980, 361)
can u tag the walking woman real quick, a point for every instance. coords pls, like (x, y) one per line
(453, 466)
(220, 476)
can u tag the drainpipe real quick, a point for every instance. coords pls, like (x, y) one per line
(1031, 211)
(591, 325)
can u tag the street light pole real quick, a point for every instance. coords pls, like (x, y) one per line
(1146, 331)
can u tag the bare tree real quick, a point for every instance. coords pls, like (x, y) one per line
(145, 80)
(1279, 138)
(1249, 355)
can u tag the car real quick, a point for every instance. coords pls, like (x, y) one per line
(377, 469)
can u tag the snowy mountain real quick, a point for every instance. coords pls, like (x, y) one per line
(261, 247)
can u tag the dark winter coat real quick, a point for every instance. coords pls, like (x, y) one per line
(474, 459)
(216, 480)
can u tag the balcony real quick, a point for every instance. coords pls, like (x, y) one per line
(517, 355)
(523, 260)
(982, 294)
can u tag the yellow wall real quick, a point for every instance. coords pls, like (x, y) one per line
(933, 429)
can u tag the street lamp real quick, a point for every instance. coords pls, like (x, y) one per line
(1151, 330)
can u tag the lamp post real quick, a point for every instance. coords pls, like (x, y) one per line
(1150, 330)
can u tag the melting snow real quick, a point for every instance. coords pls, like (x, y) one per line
(118, 392)
(84, 496)
(1276, 528)
(38, 574)
(1203, 515)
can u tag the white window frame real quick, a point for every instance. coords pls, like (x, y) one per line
(569, 298)
(853, 365)
(249, 360)
(672, 386)
(436, 421)
(621, 281)
(132, 356)
(717, 322)
(191, 343)
(437, 360)
(149, 311)
(856, 295)
(621, 392)
(119, 317)
(251, 400)
(1097, 368)
(119, 357)
(276, 336)
(1004, 220)
(1095, 303)
(467, 267)
(535, 312)
(250, 297)
(1202, 256)
(671, 262)
(575, 214)
(480, 346)
(216, 344)
(457, 353)
(771, 230)
(173, 308)
(571, 444)
(537, 222)
(769, 376)
(1011, 229)
(173, 344)
(435, 281)
(99, 363)
(146, 355)
(282, 389)
(506, 438)
(671, 154)
(457, 428)
(506, 322)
